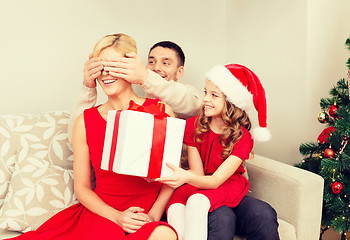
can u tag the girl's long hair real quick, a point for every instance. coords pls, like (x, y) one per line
(234, 118)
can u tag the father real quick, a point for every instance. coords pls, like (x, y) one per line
(251, 218)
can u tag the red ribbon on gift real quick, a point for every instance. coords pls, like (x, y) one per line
(158, 138)
(154, 109)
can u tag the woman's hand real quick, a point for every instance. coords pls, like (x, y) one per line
(179, 177)
(92, 69)
(132, 219)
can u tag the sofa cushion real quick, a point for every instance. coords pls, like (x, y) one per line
(8, 152)
(42, 178)
(286, 230)
(35, 195)
(4, 234)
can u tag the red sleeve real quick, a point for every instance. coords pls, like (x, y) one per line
(244, 146)
(191, 125)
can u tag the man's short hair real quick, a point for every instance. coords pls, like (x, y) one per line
(173, 46)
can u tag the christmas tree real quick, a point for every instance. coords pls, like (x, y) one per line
(329, 157)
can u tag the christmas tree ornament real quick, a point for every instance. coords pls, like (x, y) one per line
(343, 236)
(332, 111)
(328, 153)
(326, 133)
(329, 157)
(323, 117)
(345, 165)
(336, 187)
(343, 146)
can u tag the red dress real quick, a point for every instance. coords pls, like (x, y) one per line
(232, 191)
(119, 191)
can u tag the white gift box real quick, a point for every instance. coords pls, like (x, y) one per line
(132, 137)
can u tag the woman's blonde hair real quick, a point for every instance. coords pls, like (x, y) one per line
(121, 42)
(234, 118)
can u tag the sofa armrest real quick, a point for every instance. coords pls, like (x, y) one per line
(295, 194)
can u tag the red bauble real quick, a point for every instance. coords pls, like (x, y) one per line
(332, 110)
(336, 187)
(329, 153)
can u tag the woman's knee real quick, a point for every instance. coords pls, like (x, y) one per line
(162, 232)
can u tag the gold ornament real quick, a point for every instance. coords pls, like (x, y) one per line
(323, 117)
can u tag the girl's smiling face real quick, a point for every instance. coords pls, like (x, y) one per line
(213, 100)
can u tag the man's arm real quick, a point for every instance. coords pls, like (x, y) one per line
(183, 99)
(87, 99)
(88, 94)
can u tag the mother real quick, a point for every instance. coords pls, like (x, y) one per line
(121, 206)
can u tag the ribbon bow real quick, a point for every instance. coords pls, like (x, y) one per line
(158, 110)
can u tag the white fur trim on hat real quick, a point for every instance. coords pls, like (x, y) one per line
(260, 134)
(235, 92)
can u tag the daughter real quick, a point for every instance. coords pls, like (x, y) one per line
(218, 142)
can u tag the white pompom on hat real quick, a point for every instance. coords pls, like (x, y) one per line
(243, 88)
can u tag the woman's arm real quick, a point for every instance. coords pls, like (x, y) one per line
(87, 99)
(82, 174)
(185, 100)
(181, 176)
(129, 220)
(88, 94)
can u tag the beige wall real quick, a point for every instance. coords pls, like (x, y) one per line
(297, 50)
(295, 47)
(45, 43)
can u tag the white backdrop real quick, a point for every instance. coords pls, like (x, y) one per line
(295, 47)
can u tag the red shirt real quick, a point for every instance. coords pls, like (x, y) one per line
(210, 149)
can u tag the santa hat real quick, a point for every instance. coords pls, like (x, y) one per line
(243, 88)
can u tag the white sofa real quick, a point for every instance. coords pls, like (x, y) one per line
(36, 179)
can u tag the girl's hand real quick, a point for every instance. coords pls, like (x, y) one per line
(92, 69)
(132, 219)
(179, 177)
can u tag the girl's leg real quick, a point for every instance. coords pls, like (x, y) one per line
(176, 218)
(196, 216)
